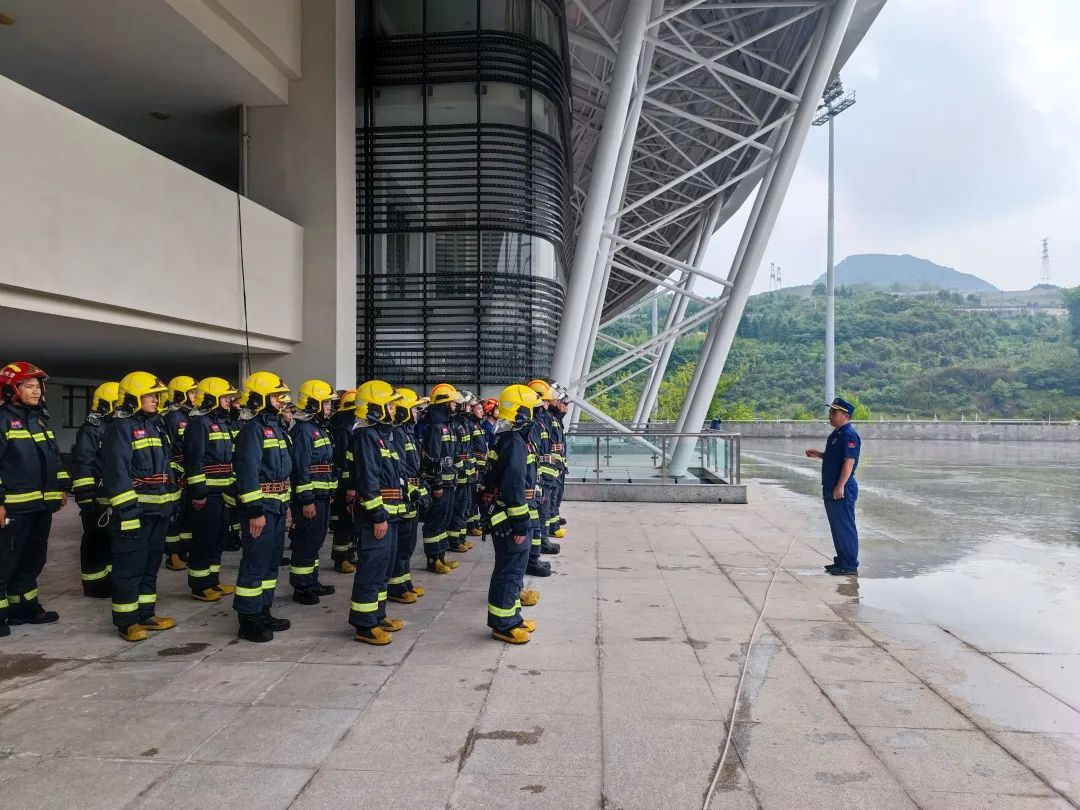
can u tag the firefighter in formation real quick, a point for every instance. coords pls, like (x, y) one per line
(179, 473)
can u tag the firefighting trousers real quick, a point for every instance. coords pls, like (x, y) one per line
(308, 537)
(401, 576)
(436, 524)
(210, 528)
(455, 534)
(342, 529)
(259, 563)
(178, 536)
(473, 520)
(368, 606)
(95, 557)
(507, 578)
(23, 548)
(136, 559)
(539, 530)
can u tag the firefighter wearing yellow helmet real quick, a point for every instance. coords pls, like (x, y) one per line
(510, 484)
(211, 485)
(377, 492)
(176, 411)
(343, 536)
(94, 556)
(263, 467)
(546, 476)
(400, 586)
(438, 456)
(138, 483)
(314, 483)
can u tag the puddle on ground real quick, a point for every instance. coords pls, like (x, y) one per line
(25, 665)
(190, 648)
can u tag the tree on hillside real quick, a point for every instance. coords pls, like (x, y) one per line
(1072, 303)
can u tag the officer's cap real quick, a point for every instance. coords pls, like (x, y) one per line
(841, 404)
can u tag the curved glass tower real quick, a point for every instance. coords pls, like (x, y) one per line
(463, 179)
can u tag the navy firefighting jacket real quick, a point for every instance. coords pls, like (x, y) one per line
(546, 466)
(465, 466)
(175, 422)
(208, 456)
(511, 476)
(405, 443)
(341, 427)
(31, 478)
(313, 474)
(479, 444)
(135, 473)
(376, 474)
(263, 464)
(438, 449)
(86, 460)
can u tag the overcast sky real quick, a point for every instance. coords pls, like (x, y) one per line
(962, 148)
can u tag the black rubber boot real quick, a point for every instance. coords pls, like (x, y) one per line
(538, 569)
(305, 597)
(273, 622)
(252, 628)
(547, 547)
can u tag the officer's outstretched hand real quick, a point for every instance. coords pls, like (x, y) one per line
(379, 530)
(255, 526)
(813, 454)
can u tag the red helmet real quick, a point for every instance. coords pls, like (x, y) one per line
(14, 373)
(491, 405)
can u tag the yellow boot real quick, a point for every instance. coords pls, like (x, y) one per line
(476, 532)
(134, 632)
(225, 590)
(559, 532)
(391, 625)
(418, 590)
(174, 563)
(406, 598)
(529, 597)
(375, 635)
(451, 564)
(158, 623)
(206, 595)
(529, 625)
(517, 635)
(345, 567)
(469, 545)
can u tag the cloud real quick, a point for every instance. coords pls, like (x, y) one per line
(960, 148)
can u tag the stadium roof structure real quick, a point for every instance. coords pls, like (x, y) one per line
(681, 109)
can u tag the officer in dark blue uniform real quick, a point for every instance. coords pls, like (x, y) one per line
(839, 488)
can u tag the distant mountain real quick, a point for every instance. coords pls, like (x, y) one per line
(906, 272)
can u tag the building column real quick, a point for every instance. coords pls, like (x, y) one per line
(301, 161)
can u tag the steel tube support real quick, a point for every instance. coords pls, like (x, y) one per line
(600, 184)
(696, 405)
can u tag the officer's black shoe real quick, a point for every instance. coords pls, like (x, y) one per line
(40, 616)
(97, 590)
(252, 628)
(284, 561)
(273, 622)
(323, 590)
(830, 566)
(4, 629)
(539, 569)
(842, 572)
(233, 543)
(547, 547)
(305, 597)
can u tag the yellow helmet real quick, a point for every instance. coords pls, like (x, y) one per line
(135, 386)
(348, 400)
(179, 387)
(543, 389)
(313, 394)
(409, 400)
(517, 403)
(105, 396)
(258, 387)
(211, 390)
(373, 399)
(443, 393)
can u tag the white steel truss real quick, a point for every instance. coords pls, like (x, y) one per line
(681, 109)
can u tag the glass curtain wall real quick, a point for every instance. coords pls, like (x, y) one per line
(463, 176)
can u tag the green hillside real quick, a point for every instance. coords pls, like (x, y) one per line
(901, 355)
(893, 272)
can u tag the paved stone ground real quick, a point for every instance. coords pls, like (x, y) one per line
(621, 701)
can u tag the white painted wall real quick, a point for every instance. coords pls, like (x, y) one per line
(95, 226)
(276, 26)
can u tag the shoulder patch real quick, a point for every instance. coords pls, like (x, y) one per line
(851, 445)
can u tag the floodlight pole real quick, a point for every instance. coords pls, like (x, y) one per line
(834, 103)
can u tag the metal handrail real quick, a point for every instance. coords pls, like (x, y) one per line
(727, 469)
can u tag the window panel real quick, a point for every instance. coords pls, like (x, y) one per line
(399, 17)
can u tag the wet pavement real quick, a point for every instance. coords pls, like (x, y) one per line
(936, 679)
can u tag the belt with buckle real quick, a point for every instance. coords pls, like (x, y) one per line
(390, 493)
(274, 487)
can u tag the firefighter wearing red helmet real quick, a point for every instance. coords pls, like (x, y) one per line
(32, 486)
